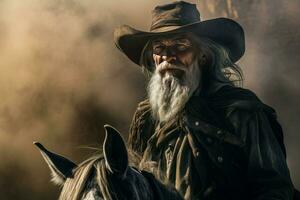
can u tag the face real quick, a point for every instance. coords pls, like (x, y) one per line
(176, 50)
(176, 76)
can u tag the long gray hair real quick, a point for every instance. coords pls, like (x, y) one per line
(218, 67)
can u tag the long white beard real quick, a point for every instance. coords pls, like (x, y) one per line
(169, 94)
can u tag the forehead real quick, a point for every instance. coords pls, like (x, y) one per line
(170, 39)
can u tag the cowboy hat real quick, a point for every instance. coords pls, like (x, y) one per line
(181, 17)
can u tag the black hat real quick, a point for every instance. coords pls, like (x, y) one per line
(181, 17)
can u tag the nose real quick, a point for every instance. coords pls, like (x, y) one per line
(169, 58)
(167, 55)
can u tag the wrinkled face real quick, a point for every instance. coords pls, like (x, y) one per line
(177, 75)
(177, 50)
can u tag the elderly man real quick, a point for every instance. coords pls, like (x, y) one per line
(197, 130)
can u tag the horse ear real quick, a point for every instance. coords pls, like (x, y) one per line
(61, 168)
(115, 152)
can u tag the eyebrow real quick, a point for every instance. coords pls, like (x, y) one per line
(183, 40)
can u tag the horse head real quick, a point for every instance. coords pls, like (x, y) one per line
(107, 176)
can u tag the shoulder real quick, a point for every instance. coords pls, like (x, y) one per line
(141, 127)
(143, 104)
(234, 96)
(239, 105)
(227, 107)
(235, 99)
(143, 109)
(243, 109)
(231, 99)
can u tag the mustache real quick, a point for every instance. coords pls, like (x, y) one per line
(164, 66)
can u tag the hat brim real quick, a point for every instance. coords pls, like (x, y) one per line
(224, 31)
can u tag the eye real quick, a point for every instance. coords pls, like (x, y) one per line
(182, 47)
(157, 49)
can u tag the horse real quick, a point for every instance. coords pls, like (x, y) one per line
(107, 176)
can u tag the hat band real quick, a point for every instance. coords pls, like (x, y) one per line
(173, 22)
(165, 29)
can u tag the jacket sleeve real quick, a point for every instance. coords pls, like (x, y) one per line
(268, 176)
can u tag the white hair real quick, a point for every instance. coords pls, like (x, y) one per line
(168, 94)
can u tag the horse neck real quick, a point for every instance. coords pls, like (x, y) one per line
(73, 187)
(161, 191)
(92, 177)
(134, 186)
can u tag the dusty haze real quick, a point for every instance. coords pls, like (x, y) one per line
(62, 78)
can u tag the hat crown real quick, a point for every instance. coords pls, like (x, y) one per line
(174, 14)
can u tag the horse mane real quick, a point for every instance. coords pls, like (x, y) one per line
(111, 187)
(74, 187)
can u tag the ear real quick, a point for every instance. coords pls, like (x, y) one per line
(115, 152)
(61, 168)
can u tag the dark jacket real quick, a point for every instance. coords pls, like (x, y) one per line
(242, 154)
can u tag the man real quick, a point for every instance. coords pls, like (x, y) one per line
(197, 130)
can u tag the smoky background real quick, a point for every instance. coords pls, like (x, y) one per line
(62, 78)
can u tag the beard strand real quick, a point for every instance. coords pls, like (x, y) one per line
(169, 94)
